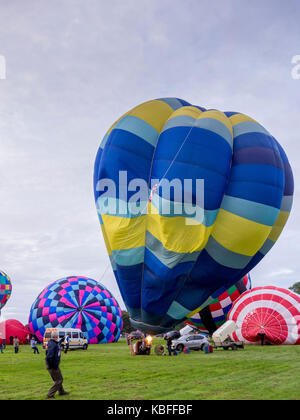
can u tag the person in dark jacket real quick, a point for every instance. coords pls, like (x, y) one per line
(262, 336)
(52, 365)
(169, 345)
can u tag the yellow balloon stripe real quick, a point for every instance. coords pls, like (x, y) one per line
(106, 240)
(279, 225)
(240, 118)
(231, 230)
(219, 116)
(176, 234)
(154, 113)
(187, 111)
(123, 232)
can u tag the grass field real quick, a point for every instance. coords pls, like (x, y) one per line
(109, 372)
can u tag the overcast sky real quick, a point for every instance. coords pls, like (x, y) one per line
(74, 66)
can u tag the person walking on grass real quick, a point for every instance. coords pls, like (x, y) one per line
(34, 346)
(52, 365)
(1, 345)
(67, 343)
(16, 344)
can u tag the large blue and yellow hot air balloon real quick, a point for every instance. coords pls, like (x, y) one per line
(167, 263)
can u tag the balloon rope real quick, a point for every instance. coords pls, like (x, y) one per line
(137, 218)
(155, 188)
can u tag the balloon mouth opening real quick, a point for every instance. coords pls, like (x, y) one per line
(148, 328)
(79, 309)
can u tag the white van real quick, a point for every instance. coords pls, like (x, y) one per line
(77, 338)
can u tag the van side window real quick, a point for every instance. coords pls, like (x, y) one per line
(61, 334)
(75, 335)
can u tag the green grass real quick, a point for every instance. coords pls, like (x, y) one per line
(109, 372)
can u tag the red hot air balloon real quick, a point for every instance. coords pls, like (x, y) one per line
(13, 328)
(267, 314)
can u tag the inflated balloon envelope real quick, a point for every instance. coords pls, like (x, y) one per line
(5, 289)
(165, 267)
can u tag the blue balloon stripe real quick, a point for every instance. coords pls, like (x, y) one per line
(139, 128)
(104, 141)
(179, 121)
(266, 247)
(130, 142)
(224, 256)
(168, 208)
(248, 127)
(256, 173)
(256, 192)
(167, 259)
(172, 102)
(129, 257)
(258, 156)
(257, 212)
(249, 140)
(208, 124)
(289, 180)
(287, 203)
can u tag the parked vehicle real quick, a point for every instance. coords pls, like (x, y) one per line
(227, 344)
(187, 329)
(77, 338)
(172, 334)
(193, 342)
(224, 332)
(221, 337)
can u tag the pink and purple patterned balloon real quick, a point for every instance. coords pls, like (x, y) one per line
(5, 289)
(77, 302)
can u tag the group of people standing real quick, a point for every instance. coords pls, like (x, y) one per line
(15, 342)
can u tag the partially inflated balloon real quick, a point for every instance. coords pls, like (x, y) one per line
(77, 302)
(168, 264)
(5, 289)
(269, 311)
(209, 319)
(11, 328)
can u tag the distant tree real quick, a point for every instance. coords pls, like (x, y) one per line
(295, 288)
(127, 328)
